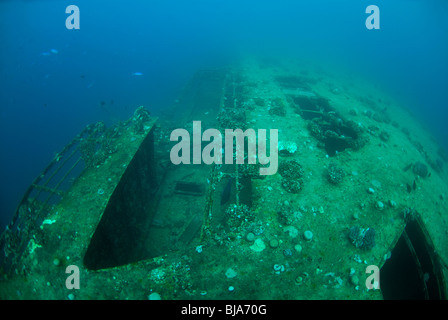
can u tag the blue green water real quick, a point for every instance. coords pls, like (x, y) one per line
(54, 81)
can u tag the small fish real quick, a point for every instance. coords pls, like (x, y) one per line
(45, 53)
(414, 186)
(409, 188)
(137, 74)
(225, 195)
(54, 51)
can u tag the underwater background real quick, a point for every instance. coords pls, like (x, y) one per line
(54, 81)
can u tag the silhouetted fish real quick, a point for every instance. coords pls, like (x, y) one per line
(225, 196)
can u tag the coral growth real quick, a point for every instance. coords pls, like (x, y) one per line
(291, 172)
(232, 118)
(239, 215)
(362, 238)
(98, 145)
(335, 174)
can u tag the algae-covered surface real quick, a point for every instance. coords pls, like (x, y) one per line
(354, 169)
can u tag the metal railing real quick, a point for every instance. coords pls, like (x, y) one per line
(47, 190)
